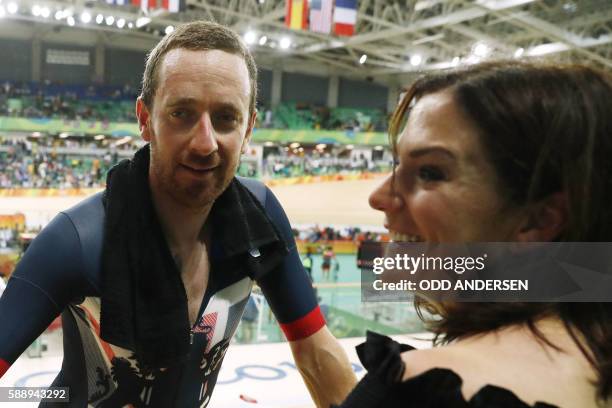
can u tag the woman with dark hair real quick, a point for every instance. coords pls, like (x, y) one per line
(502, 151)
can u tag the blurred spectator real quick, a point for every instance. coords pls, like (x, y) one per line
(2, 284)
(267, 119)
(324, 234)
(249, 320)
(116, 103)
(329, 256)
(308, 262)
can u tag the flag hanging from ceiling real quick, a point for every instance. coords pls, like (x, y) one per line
(297, 14)
(321, 16)
(345, 17)
(145, 5)
(173, 6)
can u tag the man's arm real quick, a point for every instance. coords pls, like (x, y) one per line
(324, 366)
(44, 281)
(318, 355)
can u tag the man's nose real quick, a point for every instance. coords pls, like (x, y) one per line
(384, 198)
(204, 140)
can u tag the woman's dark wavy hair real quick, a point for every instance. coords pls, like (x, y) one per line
(546, 128)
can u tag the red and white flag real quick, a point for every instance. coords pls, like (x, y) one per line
(173, 6)
(145, 5)
(321, 16)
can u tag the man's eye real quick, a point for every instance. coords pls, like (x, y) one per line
(226, 117)
(430, 173)
(179, 114)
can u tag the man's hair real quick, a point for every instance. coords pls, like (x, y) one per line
(546, 128)
(197, 36)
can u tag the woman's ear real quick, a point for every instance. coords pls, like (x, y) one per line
(545, 220)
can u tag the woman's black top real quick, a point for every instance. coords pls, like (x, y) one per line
(435, 388)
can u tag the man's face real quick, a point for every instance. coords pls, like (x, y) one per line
(199, 124)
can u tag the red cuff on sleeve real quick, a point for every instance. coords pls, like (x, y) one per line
(305, 326)
(4, 366)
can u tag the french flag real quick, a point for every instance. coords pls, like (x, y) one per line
(345, 17)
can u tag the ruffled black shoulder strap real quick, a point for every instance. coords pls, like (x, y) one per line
(381, 356)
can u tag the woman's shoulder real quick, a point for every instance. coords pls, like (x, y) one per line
(399, 374)
(512, 359)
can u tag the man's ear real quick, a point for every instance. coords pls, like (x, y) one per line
(546, 220)
(249, 133)
(142, 113)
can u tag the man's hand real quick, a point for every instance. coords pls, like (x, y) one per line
(324, 366)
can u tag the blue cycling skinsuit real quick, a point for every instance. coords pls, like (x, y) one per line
(60, 274)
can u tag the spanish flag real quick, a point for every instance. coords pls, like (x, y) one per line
(296, 16)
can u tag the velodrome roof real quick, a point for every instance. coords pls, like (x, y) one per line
(399, 37)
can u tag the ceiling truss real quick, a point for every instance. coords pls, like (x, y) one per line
(442, 33)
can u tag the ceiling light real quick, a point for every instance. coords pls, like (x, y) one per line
(2, 11)
(250, 37)
(471, 59)
(110, 20)
(64, 135)
(59, 14)
(70, 21)
(456, 61)
(294, 145)
(142, 21)
(130, 25)
(548, 48)
(121, 23)
(285, 43)
(36, 10)
(263, 40)
(416, 60)
(481, 50)
(85, 17)
(519, 53)
(570, 7)
(12, 8)
(36, 134)
(363, 59)
(379, 148)
(499, 5)
(99, 19)
(45, 12)
(169, 29)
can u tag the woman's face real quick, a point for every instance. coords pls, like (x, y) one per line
(444, 188)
